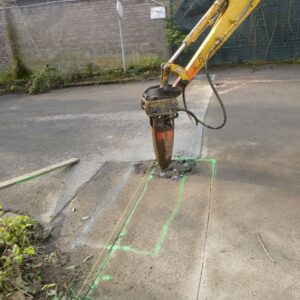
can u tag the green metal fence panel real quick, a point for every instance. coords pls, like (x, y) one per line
(271, 33)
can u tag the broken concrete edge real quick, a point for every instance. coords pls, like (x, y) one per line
(114, 243)
(212, 161)
(35, 174)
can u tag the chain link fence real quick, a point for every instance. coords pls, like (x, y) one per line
(79, 34)
(271, 33)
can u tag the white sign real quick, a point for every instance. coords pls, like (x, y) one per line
(158, 12)
(120, 9)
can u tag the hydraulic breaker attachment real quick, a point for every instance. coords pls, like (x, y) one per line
(160, 102)
(161, 105)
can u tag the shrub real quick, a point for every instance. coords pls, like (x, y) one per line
(43, 81)
(16, 251)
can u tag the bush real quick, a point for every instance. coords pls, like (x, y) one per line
(145, 65)
(174, 35)
(51, 77)
(16, 252)
(43, 81)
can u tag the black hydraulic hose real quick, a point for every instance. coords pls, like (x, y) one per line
(191, 114)
(217, 96)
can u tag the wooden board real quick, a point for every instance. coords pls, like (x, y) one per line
(32, 175)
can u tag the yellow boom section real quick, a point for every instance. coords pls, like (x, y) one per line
(225, 16)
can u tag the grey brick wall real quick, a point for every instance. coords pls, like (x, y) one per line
(85, 31)
(4, 49)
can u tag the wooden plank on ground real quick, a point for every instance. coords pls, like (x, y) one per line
(37, 173)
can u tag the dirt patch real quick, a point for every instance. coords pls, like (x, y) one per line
(57, 273)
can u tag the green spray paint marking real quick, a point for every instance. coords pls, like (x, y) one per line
(164, 231)
(156, 251)
(212, 161)
(27, 179)
(121, 236)
(126, 248)
(106, 277)
(96, 282)
(165, 228)
(134, 250)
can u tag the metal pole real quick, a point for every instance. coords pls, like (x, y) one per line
(122, 44)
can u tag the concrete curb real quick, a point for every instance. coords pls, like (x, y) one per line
(88, 83)
(107, 82)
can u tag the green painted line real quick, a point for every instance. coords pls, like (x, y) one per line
(127, 248)
(172, 216)
(163, 233)
(213, 168)
(122, 234)
(131, 249)
(124, 229)
(107, 277)
(27, 179)
(165, 228)
(157, 248)
(98, 279)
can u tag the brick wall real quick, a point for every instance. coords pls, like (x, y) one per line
(82, 32)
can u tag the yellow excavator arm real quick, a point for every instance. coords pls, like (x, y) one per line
(225, 16)
(160, 102)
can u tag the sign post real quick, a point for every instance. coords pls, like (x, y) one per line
(120, 12)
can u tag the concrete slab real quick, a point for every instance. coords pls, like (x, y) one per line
(158, 252)
(257, 188)
(249, 204)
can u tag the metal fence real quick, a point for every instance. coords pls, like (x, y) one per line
(76, 35)
(271, 33)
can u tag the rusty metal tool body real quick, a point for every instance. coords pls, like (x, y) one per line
(161, 105)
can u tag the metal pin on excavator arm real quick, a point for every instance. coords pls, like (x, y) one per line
(160, 102)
